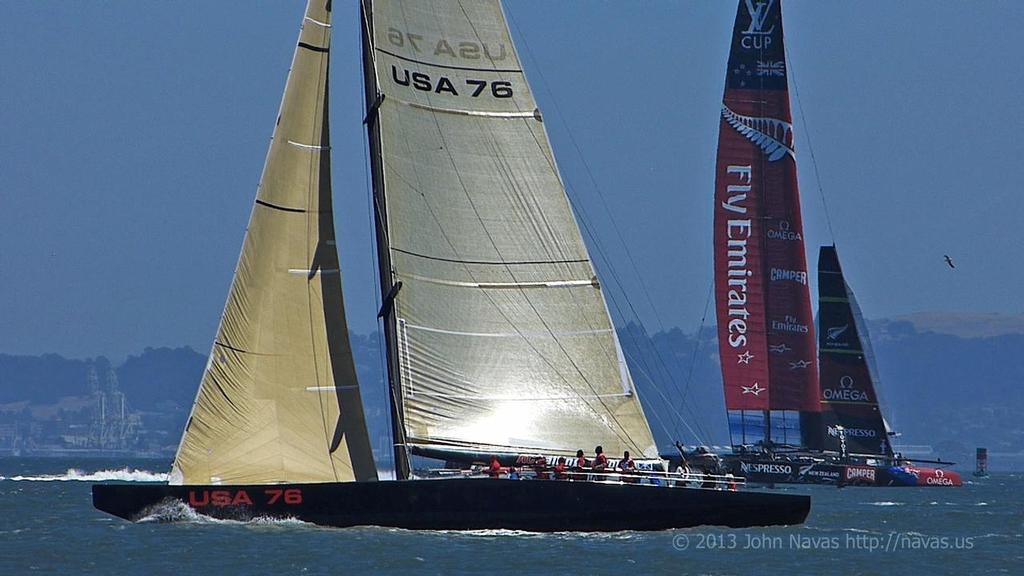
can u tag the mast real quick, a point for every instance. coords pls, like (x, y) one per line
(388, 285)
(499, 340)
(279, 399)
(851, 415)
(763, 306)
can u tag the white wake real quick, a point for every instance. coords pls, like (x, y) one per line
(76, 475)
(172, 510)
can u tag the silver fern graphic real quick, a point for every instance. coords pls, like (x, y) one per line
(836, 331)
(773, 136)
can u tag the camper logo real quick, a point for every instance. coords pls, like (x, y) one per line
(860, 473)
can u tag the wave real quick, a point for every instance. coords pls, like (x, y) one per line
(76, 475)
(173, 510)
(884, 503)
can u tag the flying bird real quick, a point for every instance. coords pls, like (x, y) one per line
(949, 260)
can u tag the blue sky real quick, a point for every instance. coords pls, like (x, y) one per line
(134, 134)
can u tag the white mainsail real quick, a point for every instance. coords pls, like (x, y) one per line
(279, 400)
(499, 335)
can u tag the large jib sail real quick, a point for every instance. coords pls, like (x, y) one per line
(852, 420)
(498, 335)
(279, 400)
(765, 327)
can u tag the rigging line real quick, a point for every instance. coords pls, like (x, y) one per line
(700, 341)
(622, 430)
(657, 414)
(578, 208)
(590, 232)
(810, 148)
(640, 362)
(615, 226)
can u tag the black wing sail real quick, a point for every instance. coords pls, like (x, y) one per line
(851, 418)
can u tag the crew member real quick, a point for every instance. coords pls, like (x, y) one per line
(560, 469)
(600, 460)
(579, 466)
(540, 467)
(627, 467)
(494, 469)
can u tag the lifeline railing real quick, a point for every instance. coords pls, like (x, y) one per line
(656, 478)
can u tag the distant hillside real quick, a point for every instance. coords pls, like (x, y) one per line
(951, 383)
(964, 325)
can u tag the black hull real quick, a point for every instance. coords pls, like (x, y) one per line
(467, 504)
(760, 470)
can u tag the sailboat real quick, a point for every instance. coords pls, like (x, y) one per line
(981, 463)
(499, 341)
(852, 423)
(793, 417)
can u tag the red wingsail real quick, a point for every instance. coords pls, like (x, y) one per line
(765, 328)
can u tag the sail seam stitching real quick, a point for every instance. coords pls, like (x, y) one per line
(487, 262)
(481, 113)
(518, 398)
(448, 66)
(539, 284)
(508, 334)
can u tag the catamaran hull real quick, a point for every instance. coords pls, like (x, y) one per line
(465, 504)
(759, 471)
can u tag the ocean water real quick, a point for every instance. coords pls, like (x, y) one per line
(48, 526)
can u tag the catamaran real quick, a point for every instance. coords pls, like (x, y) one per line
(499, 341)
(795, 416)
